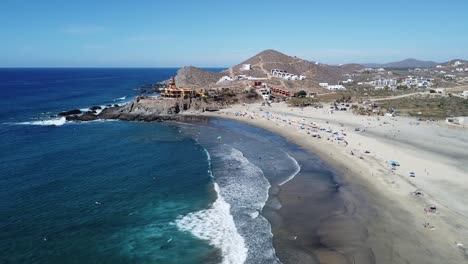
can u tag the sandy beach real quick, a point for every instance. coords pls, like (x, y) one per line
(405, 181)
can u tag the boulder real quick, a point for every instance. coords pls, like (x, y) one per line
(94, 108)
(88, 116)
(71, 112)
(212, 108)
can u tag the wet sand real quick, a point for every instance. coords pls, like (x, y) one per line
(318, 220)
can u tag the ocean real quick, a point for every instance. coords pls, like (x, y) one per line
(129, 192)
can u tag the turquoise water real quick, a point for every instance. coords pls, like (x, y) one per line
(128, 192)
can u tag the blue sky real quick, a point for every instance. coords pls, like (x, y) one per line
(218, 33)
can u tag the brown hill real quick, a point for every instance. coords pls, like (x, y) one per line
(265, 61)
(261, 66)
(192, 77)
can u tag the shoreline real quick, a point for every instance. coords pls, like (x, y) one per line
(398, 229)
(399, 225)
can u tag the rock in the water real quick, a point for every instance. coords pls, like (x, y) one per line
(88, 116)
(71, 112)
(94, 108)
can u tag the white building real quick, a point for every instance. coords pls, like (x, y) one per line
(245, 67)
(457, 63)
(336, 87)
(420, 82)
(465, 94)
(347, 81)
(382, 83)
(225, 79)
(324, 85)
(286, 76)
(250, 78)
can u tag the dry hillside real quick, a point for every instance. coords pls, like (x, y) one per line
(263, 63)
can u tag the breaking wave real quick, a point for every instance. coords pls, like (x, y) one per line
(244, 187)
(298, 169)
(49, 122)
(217, 226)
(120, 98)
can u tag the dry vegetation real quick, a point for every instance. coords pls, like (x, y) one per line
(303, 102)
(361, 94)
(427, 107)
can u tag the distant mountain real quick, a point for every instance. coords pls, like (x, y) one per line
(408, 63)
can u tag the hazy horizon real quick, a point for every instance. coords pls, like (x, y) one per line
(214, 34)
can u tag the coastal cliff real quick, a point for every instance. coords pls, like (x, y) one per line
(148, 109)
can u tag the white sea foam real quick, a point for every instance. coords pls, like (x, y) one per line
(216, 225)
(298, 169)
(48, 122)
(244, 186)
(120, 98)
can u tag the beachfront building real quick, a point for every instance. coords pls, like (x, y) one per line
(286, 76)
(265, 92)
(172, 91)
(281, 92)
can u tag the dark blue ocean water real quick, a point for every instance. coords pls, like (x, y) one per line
(101, 192)
(127, 192)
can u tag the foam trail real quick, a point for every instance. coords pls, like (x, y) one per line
(216, 225)
(50, 122)
(120, 98)
(298, 169)
(245, 188)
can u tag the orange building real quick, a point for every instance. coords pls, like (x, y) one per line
(173, 92)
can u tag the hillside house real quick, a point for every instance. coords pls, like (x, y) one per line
(286, 76)
(382, 83)
(225, 79)
(346, 82)
(245, 67)
(420, 82)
